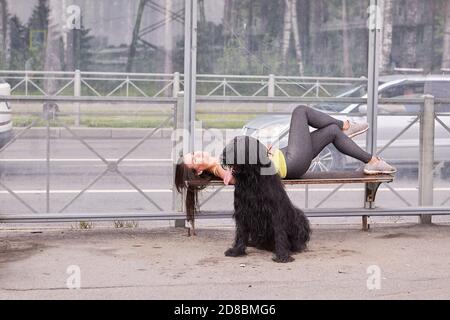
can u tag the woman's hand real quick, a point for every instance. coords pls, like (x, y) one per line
(225, 174)
(227, 177)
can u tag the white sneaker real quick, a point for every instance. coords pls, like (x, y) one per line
(379, 167)
(356, 128)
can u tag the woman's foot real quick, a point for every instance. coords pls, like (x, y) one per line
(378, 166)
(352, 129)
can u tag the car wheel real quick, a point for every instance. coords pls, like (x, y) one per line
(5, 137)
(445, 171)
(328, 160)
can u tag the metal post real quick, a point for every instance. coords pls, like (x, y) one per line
(271, 91)
(375, 24)
(178, 122)
(176, 84)
(77, 93)
(426, 160)
(26, 83)
(190, 70)
(47, 162)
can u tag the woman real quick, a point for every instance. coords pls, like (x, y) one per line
(291, 162)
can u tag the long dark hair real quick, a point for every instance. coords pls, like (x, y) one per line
(186, 178)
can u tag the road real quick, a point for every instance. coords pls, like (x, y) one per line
(74, 166)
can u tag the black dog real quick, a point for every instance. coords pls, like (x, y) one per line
(264, 214)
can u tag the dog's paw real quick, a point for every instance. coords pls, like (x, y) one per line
(285, 259)
(233, 252)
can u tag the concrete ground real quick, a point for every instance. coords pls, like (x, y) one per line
(389, 262)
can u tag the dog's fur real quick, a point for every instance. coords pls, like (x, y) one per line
(265, 217)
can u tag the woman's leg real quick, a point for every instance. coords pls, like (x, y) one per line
(315, 118)
(333, 134)
(298, 153)
(302, 148)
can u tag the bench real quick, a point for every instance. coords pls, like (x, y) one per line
(372, 183)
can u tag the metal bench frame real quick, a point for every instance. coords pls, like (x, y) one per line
(371, 182)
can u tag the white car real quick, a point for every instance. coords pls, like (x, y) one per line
(5, 116)
(392, 119)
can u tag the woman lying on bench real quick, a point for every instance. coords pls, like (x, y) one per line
(292, 162)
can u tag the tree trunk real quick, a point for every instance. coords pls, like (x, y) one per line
(53, 47)
(446, 40)
(249, 33)
(429, 35)
(316, 52)
(287, 23)
(386, 46)
(228, 17)
(345, 42)
(69, 45)
(294, 26)
(134, 40)
(4, 39)
(168, 47)
(413, 15)
(70, 49)
(303, 16)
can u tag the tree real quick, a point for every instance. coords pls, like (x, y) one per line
(298, 50)
(386, 46)
(446, 38)
(79, 55)
(134, 40)
(290, 26)
(4, 39)
(411, 21)
(18, 44)
(345, 42)
(287, 26)
(36, 35)
(249, 31)
(168, 65)
(316, 48)
(54, 48)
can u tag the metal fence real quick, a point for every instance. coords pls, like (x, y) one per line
(171, 112)
(427, 117)
(109, 84)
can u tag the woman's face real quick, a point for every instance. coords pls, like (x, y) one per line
(197, 160)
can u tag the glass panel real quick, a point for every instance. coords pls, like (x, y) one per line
(313, 49)
(106, 156)
(414, 61)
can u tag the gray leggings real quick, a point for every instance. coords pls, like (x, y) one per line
(304, 146)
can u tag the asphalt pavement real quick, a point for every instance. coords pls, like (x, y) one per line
(390, 262)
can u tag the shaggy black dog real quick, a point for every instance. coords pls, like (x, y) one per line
(264, 215)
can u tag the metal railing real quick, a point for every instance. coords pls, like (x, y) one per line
(81, 83)
(51, 117)
(427, 117)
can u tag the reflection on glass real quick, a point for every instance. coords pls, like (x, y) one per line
(92, 35)
(320, 38)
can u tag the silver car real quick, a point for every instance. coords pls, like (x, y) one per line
(5, 116)
(392, 119)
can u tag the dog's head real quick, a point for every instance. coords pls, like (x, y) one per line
(245, 154)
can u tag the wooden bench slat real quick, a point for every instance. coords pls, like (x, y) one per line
(331, 177)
